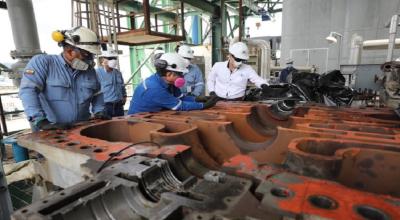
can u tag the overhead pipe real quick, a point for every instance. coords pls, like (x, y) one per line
(392, 37)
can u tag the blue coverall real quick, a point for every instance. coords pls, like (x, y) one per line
(51, 89)
(113, 89)
(194, 81)
(154, 95)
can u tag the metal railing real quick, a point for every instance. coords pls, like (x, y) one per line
(3, 114)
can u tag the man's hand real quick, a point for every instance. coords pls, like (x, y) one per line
(202, 98)
(102, 116)
(47, 125)
(211, 102)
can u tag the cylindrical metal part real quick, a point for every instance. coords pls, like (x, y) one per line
(23, 25)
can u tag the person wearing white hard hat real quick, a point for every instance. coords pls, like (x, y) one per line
(161, 90)
(194, 77)
(157, 54)
(112, 84)
(286, 71)
(59, 90)
(228, 80)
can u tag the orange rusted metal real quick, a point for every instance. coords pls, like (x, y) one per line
(354, 152)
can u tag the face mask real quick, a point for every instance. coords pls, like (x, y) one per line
(236, 64)
(180, 82)
(79, 64)
(112, 64)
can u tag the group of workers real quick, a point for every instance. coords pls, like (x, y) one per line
(60, 90)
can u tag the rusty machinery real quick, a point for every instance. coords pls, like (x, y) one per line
(235, 161)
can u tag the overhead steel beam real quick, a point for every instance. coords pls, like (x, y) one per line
(203, 5)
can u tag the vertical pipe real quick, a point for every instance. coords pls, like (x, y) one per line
(392, 37)
(23, 26)
(118, 21)
(195, 30)
(3, 119)
(146, 11)
(340, 40)
(240, 20)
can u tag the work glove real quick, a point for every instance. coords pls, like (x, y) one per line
(213, 93)
(211, 102)
(202, 98)
(102, 116)
(47, 125)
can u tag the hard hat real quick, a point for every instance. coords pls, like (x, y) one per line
(108, 54)
(289, 61)
(239, 50)
(83, 38)
(185, 51)
(172, 62)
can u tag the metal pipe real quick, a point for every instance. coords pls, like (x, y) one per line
(392, 37)
(23, 26)
(240, 20)
(355, 49)
(379, 44)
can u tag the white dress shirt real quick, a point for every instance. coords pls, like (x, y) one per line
(231, 85)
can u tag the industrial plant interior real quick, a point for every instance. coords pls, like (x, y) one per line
(200, 109)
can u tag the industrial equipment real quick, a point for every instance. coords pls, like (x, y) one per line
(236, 160)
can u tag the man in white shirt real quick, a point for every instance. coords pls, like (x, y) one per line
(228, 80)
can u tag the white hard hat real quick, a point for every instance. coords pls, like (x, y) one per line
(185, 51)
(174, 62)
(83, 38)
(108, 54)
(288, 61)
(239, 50)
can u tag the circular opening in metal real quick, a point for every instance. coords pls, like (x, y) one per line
(371, 213)
(72, 144)
(323, 202)
(280, 192)
(44, 201)
(84, 147)
(98, 150)
(24, 211)
(61, 141)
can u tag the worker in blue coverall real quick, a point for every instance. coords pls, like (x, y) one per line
(161, 90)
(112, 84)
(58, 90)
(194, 78)
(286, 71)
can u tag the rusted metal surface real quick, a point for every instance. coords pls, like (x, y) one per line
(332, 162)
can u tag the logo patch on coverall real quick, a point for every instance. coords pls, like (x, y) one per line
(30, 72)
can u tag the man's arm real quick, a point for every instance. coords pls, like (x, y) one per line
(168, 101)
(98, 99)
(32, 84)
(256, 79)
(212, 76)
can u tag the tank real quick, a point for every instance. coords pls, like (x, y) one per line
(306, 24)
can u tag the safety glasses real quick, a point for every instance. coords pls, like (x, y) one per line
(86, 55)
(238, 59)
